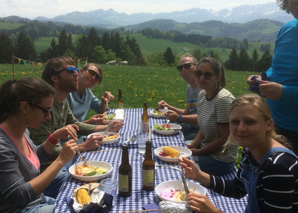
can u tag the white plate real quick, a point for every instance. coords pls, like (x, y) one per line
(102, 164)
(176, 129)
(107, 134)
(155, 115)
(184, 152)
(177, 185)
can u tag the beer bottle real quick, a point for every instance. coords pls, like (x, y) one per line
(148, 169)
(120, 100)
(125, 174)
(145, 119)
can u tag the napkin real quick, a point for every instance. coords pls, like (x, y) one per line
(93, 207)
(255, 87)
(150, 206)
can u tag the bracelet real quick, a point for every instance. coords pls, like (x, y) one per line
(53, 140)
(180, 119)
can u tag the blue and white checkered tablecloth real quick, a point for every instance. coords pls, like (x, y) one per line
(112, 153)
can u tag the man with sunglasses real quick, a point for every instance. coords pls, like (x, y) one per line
(61, 73)
(187, 65)
(83, 98)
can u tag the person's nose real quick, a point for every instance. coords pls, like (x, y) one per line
(241, 126)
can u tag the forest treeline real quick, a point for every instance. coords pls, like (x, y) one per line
(102, 45)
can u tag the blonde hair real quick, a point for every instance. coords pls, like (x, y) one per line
(260, 104)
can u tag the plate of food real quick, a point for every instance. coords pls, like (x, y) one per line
(172, 153)
(167, 129)
(110, 137)
(108, 118)
(158, 113)
(93, 171)
(173, 190)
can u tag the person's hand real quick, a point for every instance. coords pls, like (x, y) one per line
(116, 126)
(162, 104)
(96, 119)
(68, 151)
(105, 99)
(190, 145)
(93, 142)
(65, 131)
(171, 115)
(201, 203)
(270, 90)
(191, 169)
(251, 82)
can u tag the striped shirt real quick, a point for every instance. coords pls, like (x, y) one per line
(212, 113)
(277, 184)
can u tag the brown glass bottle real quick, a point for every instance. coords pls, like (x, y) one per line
(148, 169)
(125, 174)
(145, 119)
(120, 100)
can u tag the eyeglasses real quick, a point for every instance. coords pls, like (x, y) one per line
(207, 75)
(93, 74)
(45, 111)
(70, 70)
(186, 66)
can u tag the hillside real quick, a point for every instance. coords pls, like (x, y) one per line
(258, 30)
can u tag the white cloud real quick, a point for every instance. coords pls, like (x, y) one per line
(52, 8)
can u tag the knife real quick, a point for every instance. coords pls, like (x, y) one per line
(184, 182)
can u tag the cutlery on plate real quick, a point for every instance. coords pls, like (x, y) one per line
(82, 158)
(184, 182)
(131, 139)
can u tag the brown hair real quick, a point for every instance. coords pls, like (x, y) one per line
(13, 92)
(284, 5)
(52, 65)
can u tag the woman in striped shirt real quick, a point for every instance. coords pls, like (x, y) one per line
(214, 102)
(268, 172)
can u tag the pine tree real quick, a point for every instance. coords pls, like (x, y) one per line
(62, 42)
(254, 60)
(169, 56)
(6, 49)
(25, 48)
(232, 62)
(266, 61)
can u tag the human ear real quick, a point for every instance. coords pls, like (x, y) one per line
(24, 107)
(270, 124)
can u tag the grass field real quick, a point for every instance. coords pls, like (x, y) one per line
(43, 43)
(9, 26)
(138, 84)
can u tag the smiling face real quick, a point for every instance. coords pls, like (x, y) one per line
(187, 74)
(89, 77)
(248, 126)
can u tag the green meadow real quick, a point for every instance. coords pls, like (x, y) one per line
(138, 84)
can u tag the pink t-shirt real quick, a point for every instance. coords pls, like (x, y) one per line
(32, 157)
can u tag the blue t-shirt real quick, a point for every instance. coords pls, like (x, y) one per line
(80, 105)
(284, 71)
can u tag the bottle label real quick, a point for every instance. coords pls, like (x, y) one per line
(123, 183)
(148, 177)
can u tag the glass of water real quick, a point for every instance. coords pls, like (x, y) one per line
(109, 186)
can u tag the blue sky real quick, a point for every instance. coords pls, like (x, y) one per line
(51, 8)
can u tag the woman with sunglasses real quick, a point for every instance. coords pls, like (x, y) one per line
(27, 103)
(83, 99)
(268, 173)
(213, 105)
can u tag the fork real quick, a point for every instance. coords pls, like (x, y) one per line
(108, 128)
(82, 157)
(165, 165)
(184, 182)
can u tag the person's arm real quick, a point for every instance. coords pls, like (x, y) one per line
(215, 145)
(280, 185)
(196, 141)
(41, 182)
(190, 119)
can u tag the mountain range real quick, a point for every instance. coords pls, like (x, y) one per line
(112, 19)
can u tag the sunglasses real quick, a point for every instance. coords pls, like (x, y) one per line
(93, 74)
(186, 66)
(207, 75)
(70, 70)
